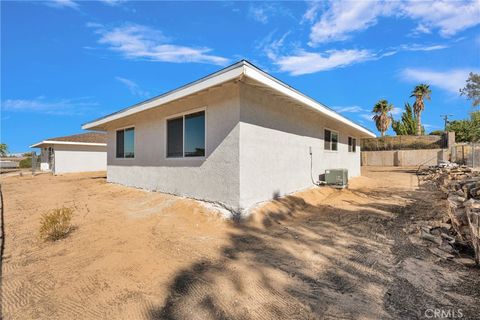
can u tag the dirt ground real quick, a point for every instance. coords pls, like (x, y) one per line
(317, 254)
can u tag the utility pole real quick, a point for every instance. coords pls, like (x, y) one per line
(445, 120)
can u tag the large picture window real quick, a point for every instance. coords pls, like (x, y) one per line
(186, 135)
(126, 143)
(331, 140)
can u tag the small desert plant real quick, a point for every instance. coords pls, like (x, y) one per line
(55, 224)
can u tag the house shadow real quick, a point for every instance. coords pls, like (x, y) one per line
(301, 261)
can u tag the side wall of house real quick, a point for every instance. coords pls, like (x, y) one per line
(275, 140)
(76, 158)
(214, 178)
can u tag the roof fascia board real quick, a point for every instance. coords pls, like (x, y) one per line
(37, 145)
(195, 87)
(276, 85)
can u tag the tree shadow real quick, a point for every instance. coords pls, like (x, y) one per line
(302, 261)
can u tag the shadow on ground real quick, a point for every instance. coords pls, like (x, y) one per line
(307, 261)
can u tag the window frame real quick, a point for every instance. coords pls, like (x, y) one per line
(134, 144)
(182, 115)
(338, 139)
(354, 147)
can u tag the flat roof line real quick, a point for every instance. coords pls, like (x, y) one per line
(248, 69)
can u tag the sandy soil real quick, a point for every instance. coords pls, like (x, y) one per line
(318, 254)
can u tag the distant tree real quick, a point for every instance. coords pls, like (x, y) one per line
(420, 92)
(3, 149)
(382, 116)
(475, 126)
(472, 89)
(436, 133)
(467, 130)
(407, 125)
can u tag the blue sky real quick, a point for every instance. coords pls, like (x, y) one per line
(67, 62)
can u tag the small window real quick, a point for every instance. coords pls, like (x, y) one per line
(126, 143)
(328, 139)
(331, 140)
(186, 136)
(352, 144)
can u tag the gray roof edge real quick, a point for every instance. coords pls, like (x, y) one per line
(235, 65)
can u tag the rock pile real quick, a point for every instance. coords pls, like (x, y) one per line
(461, 186)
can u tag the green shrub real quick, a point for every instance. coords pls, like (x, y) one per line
(26, 163)
(56, 224)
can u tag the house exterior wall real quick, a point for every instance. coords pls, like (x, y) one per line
(79, 158)
(213, 178)
(257, 148)
(275, 140)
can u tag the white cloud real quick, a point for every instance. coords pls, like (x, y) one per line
(421, 29)
(363, 113)
(263, 11)
(133, 87)
(366, 116)
(310, 62)
(141, 42)
(396, 111)
(430, 126)
(303, 62)
(62, 4)
(312, 11)
(342, 18)
(348, 109)
(449, 17)
(112, 2)
(271, 48)
(42, 105)
(449, 80)
(258, 14)
(418, 47)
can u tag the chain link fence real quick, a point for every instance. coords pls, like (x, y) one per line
(466, 154)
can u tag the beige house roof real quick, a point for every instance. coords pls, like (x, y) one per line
(89, 138)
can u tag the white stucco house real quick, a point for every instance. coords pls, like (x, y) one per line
(236, 137)
(76, 153)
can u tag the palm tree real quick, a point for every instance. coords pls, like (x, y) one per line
(420, 92)
(382, 116)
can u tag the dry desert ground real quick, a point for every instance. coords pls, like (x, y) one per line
(318, 254)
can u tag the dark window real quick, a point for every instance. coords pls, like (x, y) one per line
(334, 141)
(327, 139)
(120, 143)
(129, 143)
(352, 144)
(195, 134)
(126, 143)
(186, 136)
(331, 140)
(175, 138)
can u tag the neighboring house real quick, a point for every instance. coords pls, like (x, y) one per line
(77, 153)
(236, 137)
